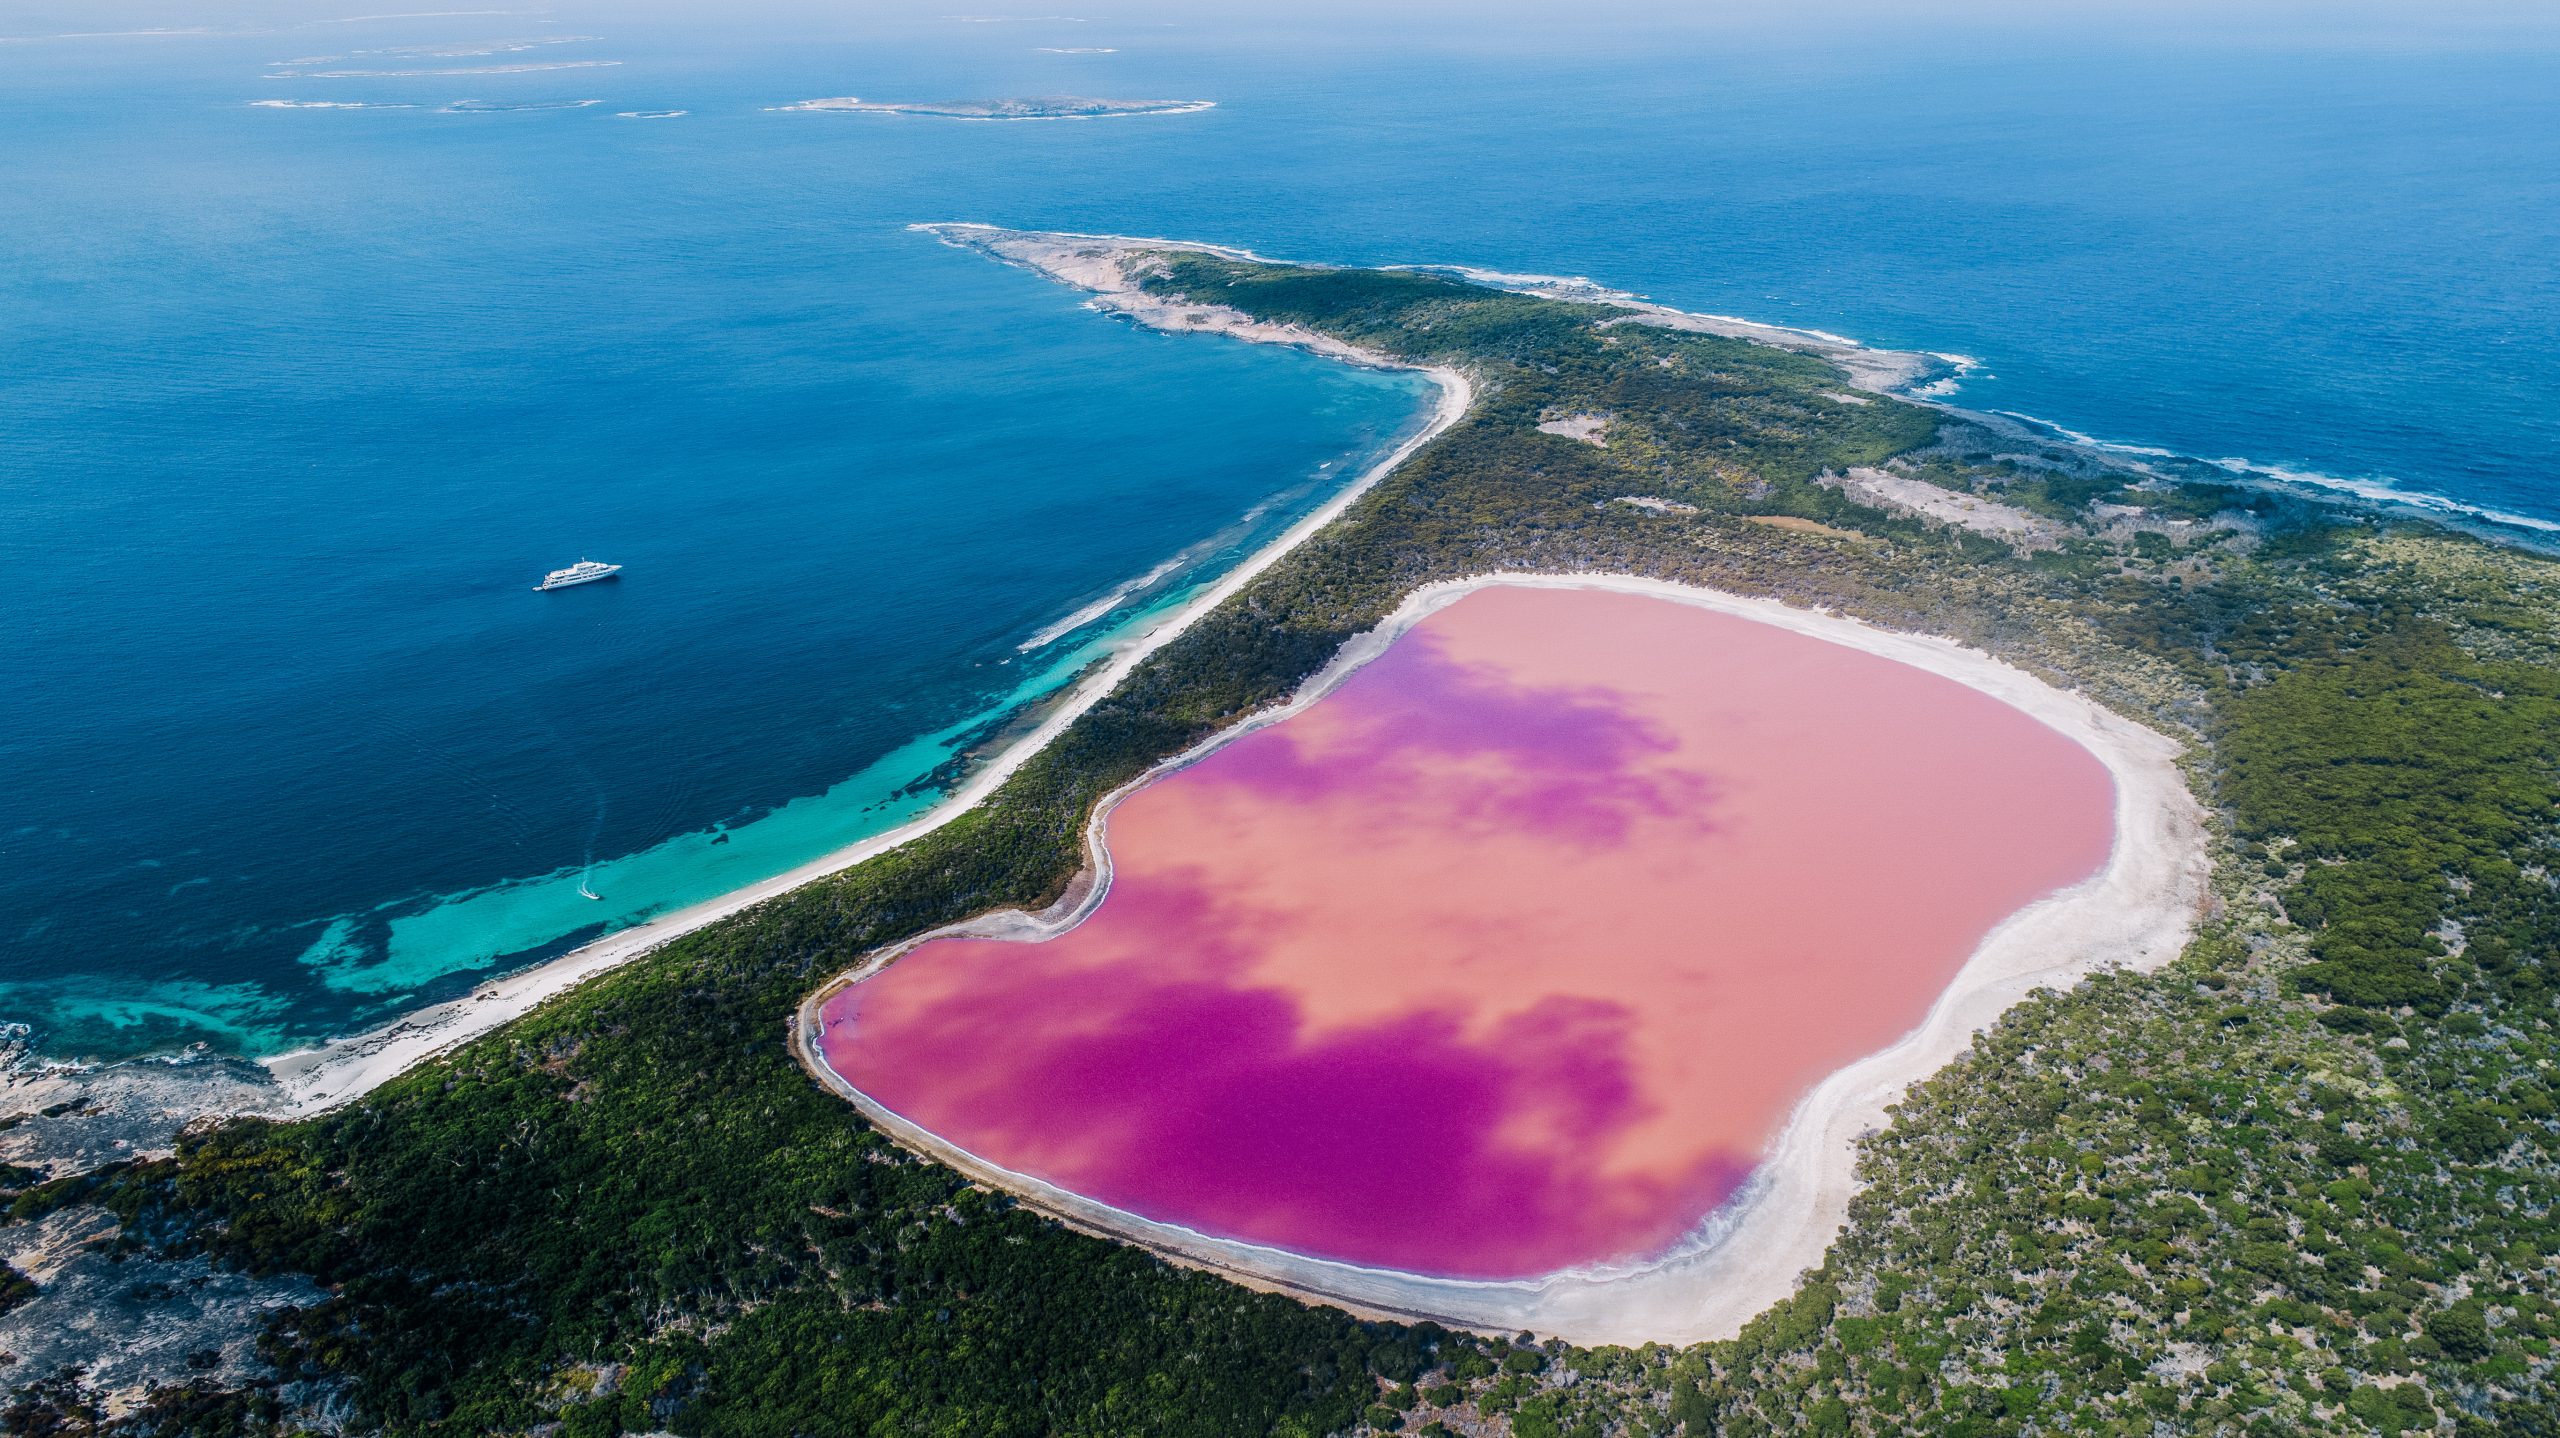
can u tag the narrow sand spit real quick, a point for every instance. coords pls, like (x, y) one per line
(321, 1078)
(2137, 912)
(1114, 268)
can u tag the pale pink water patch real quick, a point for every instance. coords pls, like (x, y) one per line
(1511, 954)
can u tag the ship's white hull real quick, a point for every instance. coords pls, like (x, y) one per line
(574, 583)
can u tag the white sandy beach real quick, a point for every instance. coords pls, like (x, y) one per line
(2137, 913)
(316, 1079)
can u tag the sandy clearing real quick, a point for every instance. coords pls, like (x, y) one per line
(1796, 525)
(2137, 912)
(1934, 502)
(1591, 429)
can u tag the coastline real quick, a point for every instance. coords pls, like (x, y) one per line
(2135, 913)
(317, 1079)
(314, 1079)
(155, 1096)
(1929, 379)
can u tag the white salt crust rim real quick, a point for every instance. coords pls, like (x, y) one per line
(2137, 913)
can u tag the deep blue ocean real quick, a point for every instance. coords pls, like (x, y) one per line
(296, 402)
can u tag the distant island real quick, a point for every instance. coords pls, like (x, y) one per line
(1059, 107)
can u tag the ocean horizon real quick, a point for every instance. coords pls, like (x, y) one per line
(331, 333)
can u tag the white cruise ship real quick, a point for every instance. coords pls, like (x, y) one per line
(585, 571)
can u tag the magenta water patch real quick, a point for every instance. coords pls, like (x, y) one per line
(1509, 955)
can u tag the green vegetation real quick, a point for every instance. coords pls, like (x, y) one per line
(2301, 1180)
(15, 1288)
(633, 1208)
(2406, 778)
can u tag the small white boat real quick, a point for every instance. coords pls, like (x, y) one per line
(585, 571)
(586, 893)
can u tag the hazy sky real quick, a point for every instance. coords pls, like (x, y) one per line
(1465, 24)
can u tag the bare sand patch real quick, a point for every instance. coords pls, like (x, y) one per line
(1944, 506)
(1591, 429)
(1794, 524)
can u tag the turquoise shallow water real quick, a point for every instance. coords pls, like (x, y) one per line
(297, 402)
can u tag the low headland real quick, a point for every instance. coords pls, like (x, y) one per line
(2298, 1177)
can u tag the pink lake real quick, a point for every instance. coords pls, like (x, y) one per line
(1511, 954)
